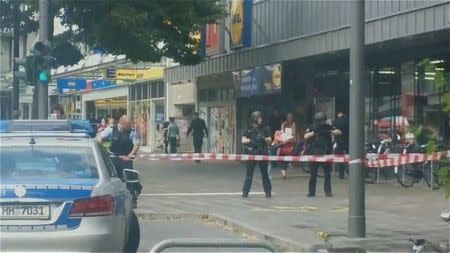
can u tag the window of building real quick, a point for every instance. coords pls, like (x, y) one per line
(145, 89)
(154, 90)
(132, 90)
(161, 91)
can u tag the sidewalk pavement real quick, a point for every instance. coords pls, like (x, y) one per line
(290, 219)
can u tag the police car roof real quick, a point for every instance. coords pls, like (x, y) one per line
(49, 126)
(45, 139)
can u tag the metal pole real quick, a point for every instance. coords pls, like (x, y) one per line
(356, 216)
(16, 34)
(43, 35)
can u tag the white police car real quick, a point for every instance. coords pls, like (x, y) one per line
(59, 192)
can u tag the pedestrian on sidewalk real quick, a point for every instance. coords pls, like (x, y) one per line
(57, 112)
(165, 138)
(288, 141)
(199, 131)
(256, 140)
(173, 135)
(341, 141)
(320, 135)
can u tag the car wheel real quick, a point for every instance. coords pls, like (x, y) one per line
(134, 235)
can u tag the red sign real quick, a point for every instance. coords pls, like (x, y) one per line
(212, 39)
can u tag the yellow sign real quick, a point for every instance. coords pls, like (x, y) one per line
(153, 73)
(126, 74)
(236, 22)
(139, 74)
(276, 76)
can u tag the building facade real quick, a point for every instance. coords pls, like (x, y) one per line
(303, 46)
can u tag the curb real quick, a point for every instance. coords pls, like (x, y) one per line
(282, 244)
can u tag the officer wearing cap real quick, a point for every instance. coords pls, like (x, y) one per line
(256, 140)
(319, 135)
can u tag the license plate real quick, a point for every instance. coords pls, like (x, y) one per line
(24, 212)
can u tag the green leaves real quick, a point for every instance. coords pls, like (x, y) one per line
(143, 30)
(444, 177)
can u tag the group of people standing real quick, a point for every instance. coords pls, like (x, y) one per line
(284, 140)
(171, 134)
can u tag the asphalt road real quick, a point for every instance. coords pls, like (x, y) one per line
(154, 231)
(393, 213)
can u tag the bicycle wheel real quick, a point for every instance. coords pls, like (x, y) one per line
(371, 176)
(431, 174)
(405, 175)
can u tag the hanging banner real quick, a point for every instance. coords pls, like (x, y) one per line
(249, 86)
(212, 39)
(240, 23)
(259, 80)
(272, 79)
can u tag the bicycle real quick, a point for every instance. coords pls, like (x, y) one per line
(410, 174)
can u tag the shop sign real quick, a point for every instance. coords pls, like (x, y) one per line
(272, 78)
(159, 115)
(212, 39)
(249, 86)
(99, 84)
(139, 74)
(70, 85)
(259, 80)
(240, 23)
(110, 73)
(126, 74)
(153, 73)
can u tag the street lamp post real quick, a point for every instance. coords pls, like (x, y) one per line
(356, 216)
(43, 36)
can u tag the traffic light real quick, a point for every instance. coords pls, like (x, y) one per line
(28, 73)
(42, 62)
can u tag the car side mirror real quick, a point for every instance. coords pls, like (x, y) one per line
(131, 176)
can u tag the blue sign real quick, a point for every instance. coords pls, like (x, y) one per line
(99, 84)
(248, 21)
(111, 73)
(259, 80)
(249, 85)
(69, 85)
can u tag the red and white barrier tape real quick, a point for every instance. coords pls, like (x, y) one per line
(372, 160)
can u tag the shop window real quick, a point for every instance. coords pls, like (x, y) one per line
(145, 94)
(203, 95)
(161, 91)
(132, 90)
(138, 91)
(212, 95)
(154, 90)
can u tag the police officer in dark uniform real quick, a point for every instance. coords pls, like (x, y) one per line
(125, 144)
(256, 140)
(319, 135)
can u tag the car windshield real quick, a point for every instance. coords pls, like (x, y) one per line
(25, 162)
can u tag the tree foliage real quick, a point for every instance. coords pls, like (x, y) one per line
(143, 30)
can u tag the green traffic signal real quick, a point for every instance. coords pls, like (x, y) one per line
(43, 77)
